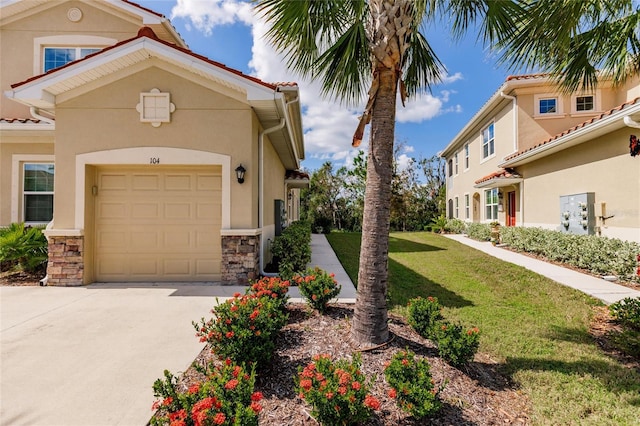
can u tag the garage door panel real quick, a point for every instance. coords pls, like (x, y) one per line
(175, 182)
(145, 182)
(181, 211)
(160, 225)
(145, 210)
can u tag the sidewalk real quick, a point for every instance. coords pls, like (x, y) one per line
(323, 256)
(606, 291)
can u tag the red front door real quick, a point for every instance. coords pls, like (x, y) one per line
(511, 209)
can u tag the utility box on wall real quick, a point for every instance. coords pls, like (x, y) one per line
(577, 213)
(280, 216)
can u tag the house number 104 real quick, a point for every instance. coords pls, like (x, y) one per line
(154, 160)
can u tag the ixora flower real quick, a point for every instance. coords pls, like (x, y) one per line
(317, 287)
(225, 397)
(337, 391)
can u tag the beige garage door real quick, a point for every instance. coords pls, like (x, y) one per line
(158, 224)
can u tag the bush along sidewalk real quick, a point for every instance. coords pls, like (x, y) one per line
(455, 345)
(242, 333)
(317, 287)
(225, 397)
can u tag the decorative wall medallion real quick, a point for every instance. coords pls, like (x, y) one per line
(74, 14)
(155, 107)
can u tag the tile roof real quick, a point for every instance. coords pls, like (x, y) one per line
(502, 173)
(149, 33)
(527, 76)
(573, 129)
(21, 120)
(296, 174)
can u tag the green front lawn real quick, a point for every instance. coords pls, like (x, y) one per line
(535, 328)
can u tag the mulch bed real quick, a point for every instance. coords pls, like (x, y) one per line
(474, 395)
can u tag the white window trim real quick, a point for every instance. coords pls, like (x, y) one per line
(69, 41)
(456, 164)
(597, 107)
(559, 105)
(488, 157)
(467, 155)
(16, 167)
(456, 207)
(467, 205)
(489, 219)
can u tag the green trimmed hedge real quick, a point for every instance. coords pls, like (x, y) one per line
(291, 250)
(599, 255)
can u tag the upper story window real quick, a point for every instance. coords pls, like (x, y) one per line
(455, 158)
(38, 192)
(55, 57)
(450, 164)
(466, 156)
(548, 105)
(488, 147)
(584, 103)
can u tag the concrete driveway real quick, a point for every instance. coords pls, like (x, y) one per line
(89, 356)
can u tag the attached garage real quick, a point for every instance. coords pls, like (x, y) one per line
(158, 223)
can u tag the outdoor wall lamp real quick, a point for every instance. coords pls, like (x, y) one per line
(240, 173)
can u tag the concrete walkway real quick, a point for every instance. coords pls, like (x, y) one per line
(599, 288)
(323, 256)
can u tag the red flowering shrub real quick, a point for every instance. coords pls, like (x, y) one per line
(317, 287)
(243, 328)
(411, 385)
(272, 287)
(455, 345)
(226, 397)
(338, 392)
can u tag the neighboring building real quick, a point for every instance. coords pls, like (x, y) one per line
(535, 157)
(127, 144)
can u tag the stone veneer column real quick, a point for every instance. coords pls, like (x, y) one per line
(240, 258)
(66, 263)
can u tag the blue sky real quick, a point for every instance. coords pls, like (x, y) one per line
(228, 31)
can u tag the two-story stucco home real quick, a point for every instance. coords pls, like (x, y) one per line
(146, 161)
(533, 156)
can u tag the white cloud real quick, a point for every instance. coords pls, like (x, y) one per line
(205, 15)
(420, 108)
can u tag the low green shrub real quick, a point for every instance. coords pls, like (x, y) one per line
(411, 385)
(455, 226)
(225, 397)
(338, 392)
(599, 255)
(292, 249)
(439, 223)
(455, 345)
(423, 315)
(479, 231)
(243, 328)
(317, 287)
(23, 248)
(627, 312)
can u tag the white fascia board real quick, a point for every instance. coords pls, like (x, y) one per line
(605, 125)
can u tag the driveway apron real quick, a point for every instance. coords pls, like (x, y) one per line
(90, 355)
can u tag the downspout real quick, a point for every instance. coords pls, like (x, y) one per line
(261, 199)
(514, 101)
(35, 114)
(630, 122)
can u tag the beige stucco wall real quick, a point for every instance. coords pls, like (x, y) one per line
(26, 146)
(204, 120)
(17, 42)
(464, 182)
(602, 166)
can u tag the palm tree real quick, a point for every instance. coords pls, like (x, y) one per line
(377, 46)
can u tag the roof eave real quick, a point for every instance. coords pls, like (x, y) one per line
(611, 123)
(498, 182)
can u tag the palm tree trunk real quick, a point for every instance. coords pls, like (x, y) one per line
(370, 315)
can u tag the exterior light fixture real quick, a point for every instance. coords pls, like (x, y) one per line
(240, 173)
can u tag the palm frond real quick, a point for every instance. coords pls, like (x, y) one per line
(423, 68)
